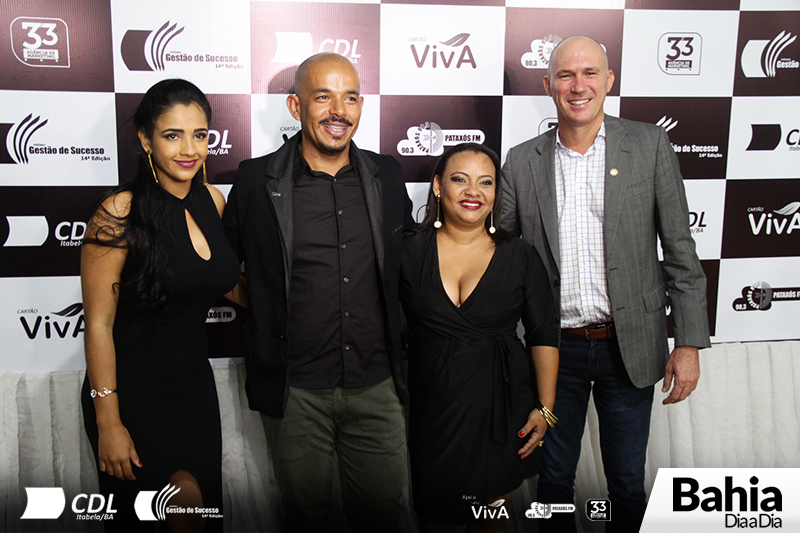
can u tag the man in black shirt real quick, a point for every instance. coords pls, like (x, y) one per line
(319, 226)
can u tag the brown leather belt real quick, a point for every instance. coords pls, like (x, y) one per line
(596, 332)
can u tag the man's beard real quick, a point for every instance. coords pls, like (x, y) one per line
(333, 149)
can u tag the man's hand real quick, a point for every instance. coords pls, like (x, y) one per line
(684, 366)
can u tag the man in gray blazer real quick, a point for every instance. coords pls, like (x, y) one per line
(592, 196)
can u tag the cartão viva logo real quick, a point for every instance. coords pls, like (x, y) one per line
(496, 509)
(59, 326)
(761, 58)
(454, 52)
(781, 221)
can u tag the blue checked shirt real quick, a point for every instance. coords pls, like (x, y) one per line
(580, 192)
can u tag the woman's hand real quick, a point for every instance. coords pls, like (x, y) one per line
(116, 452)
(535, 430)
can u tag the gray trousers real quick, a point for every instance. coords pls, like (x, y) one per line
(366, 429)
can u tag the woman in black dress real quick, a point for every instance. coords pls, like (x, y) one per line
(476, 416)
(154, 260)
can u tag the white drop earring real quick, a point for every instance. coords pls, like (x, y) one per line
(438, 223)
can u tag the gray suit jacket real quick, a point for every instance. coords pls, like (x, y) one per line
(643, 200)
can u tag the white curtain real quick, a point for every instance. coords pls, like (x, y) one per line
(744, 413)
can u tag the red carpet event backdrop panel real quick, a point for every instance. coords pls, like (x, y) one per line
(722, 77)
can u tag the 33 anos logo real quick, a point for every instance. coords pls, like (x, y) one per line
(40, 41)
(49, 503)
(679, 53)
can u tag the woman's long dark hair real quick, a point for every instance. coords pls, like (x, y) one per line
(144, 277)
(500, 235)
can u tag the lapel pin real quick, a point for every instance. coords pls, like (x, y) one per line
(613, 172)
(275, 194)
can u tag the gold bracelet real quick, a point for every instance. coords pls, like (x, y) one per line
(102, 392)
(548, 415)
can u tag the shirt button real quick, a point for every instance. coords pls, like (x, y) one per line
(347, 313)
(339, 212)
(346, 346)
(346, 280)
(344, 246)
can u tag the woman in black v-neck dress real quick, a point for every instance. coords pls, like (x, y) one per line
(464, 287)
(154, 261)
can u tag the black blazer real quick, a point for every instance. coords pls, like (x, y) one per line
(259, 224)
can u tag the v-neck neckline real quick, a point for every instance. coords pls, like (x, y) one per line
(441, 281)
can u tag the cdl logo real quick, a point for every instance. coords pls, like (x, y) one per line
(218, 144)
(767, 137)
(295, 47)
(49, 502)
(33, 231)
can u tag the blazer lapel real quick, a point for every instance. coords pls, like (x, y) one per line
(617, 178)
(373, 196)
(278, 188)
(544, 183)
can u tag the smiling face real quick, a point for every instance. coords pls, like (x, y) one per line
(578, 80)
(467, 188)
(179, 144)
(328, 105)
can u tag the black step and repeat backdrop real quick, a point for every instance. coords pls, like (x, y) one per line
(722, 77)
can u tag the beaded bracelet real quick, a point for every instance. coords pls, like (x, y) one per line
(102, 392)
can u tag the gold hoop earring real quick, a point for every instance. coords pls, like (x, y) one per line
(149, 158)
(438, 223)
(491, 222)
(205, 177)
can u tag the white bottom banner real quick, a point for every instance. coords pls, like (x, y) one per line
(724, 499)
